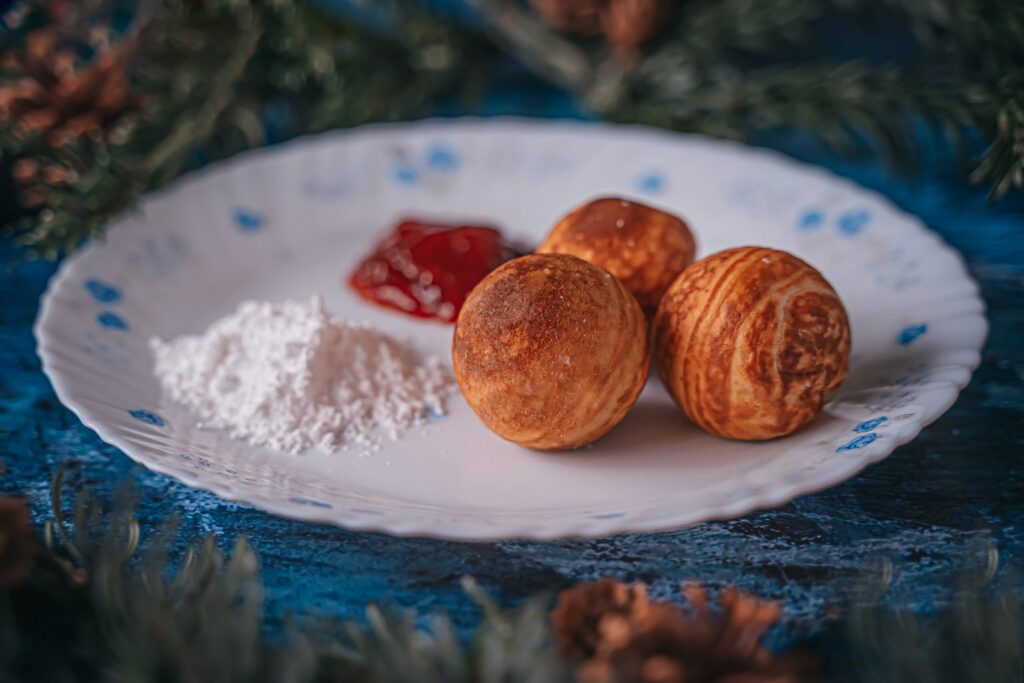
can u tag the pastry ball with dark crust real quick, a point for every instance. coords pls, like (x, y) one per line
(644, 247)
(751, 342)
(550, 351)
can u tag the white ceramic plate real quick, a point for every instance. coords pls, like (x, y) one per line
(291, 221)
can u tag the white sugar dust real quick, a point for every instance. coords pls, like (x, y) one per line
(290, 376)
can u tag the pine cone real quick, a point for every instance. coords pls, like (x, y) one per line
(18, 546)
(576, 619)
(639, 641)
(34, 180)
(643, 648)
(60, 11)
(56, 99)
(628, 24)
(575, 16)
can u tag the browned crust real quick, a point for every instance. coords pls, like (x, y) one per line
(751, 342)
(550, 351)
(642, 246)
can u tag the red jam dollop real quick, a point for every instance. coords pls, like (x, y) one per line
(428, 269)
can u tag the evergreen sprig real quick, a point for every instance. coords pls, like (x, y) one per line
(731, 68)
(978, 636)
(1002, 163)
(853, 107)
(103, 604)
(213, 75)
(221, 76)
(97, 608)
(708, 32)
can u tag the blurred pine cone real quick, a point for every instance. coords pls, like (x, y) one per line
(49, 93)
(626, 24)
(575, 16)
(34, 180)
(634, 640)
(576, 619)
(18, 546)
(51, 96)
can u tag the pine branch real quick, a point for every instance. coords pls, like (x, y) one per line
(97, 608)
(210, 73)
(851, 107)
(509, 646)
(213, 72)
(546, 52)
(135, 616)
(1002, 164)
(711, 32)
(976, 34)
(693, 79)
(979, 636)
(166, 159)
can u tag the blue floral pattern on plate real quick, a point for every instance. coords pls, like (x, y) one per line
(148, 417)
(811, 219)
(852, 223)
(102, 292)
(440, 159)
(869, 425)
(112, 321)
(248, 220)
(405, 174)
(909, 334)
(443, 158)
(858, 442)
(651, 182)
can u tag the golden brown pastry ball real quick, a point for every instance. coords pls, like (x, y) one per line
(644, 247)
(750, 342)
(550, 351)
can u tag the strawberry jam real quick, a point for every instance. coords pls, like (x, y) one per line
(427, 269)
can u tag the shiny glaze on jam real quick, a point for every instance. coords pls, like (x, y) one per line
(427, 269)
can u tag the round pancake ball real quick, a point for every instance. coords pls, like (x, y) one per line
(644, 247)
(550, 351)
(751, 342)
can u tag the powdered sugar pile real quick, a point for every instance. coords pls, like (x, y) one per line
(290, 376)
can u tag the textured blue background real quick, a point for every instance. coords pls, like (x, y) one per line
(923, 509)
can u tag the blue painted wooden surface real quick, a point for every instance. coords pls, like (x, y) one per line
(922, 508)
